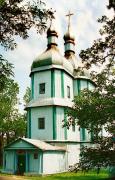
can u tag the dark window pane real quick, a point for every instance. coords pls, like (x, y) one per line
(35, 155)
(42, 88)
(83, 134)
(68, 91)
(41, 123)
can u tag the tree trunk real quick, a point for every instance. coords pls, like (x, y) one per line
(7, 138)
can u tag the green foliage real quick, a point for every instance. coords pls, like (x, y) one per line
(8, 98)
(98, 157)
(111, 4)
(27, 96)
(88, 104)
(12, 123)
(17, 18)
(5, 72)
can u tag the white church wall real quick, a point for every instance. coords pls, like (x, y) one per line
(68, 81)
(43, 134)
(54, 162)
(42, 77)
(58, 83)
(73, 135)
(35, 165)
(75, 87)
(85, 136)
(83, 84)
(90, 86)
(59, 123)
(73, 153)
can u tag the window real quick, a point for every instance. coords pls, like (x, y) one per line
(35, 155)
(42, 88)
(83, 134)
(73, 127)
(41, 123)
(68, 91)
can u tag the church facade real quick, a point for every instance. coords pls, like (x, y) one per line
(50, 147)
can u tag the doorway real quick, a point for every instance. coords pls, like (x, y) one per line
(21, 163)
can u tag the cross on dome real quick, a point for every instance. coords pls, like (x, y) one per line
(69, 16)
(69, 40)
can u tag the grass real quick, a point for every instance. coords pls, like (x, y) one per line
(71, 176)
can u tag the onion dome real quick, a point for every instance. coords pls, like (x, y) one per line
(49, 57)
(52, 56)
(52, 37)
(69, 36)
(69, 44)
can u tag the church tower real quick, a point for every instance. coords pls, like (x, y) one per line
(54, 84)
(55, 81)
(51, 92)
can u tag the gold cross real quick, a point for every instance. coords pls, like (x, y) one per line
(69, 15)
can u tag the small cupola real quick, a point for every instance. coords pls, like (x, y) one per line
(52, 37)
(69, 40)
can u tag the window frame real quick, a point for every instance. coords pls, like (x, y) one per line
(35, 155)
(68, 91)
(42, 89)
(40, 120)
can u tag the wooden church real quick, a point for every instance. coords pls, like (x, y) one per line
(50, 148)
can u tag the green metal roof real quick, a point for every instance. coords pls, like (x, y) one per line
(26, 143)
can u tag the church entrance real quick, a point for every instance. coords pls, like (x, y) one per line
(21, 164)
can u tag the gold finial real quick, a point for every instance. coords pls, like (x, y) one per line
(69, 15)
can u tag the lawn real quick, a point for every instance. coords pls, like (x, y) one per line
(73, 176)
(70, 176)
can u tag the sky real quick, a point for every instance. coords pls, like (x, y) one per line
(84, 25)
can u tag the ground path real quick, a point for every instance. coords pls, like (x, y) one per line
(11, 178)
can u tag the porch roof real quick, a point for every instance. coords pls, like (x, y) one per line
(35, 143)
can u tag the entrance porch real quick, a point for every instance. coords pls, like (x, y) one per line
(28, 156)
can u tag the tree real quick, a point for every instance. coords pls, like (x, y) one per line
(26, 99)
(8, 99)
(27, 96)
(95, 110)
(12, 123)
(6, 71)
(16, 18)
